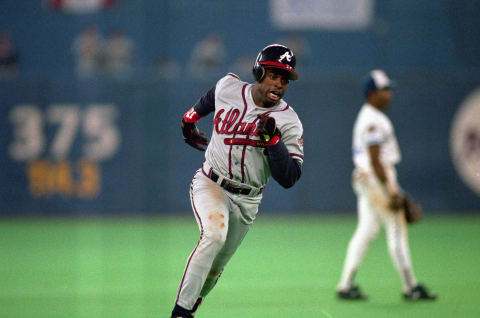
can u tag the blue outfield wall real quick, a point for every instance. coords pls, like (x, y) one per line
(106, 147)
(101, 146)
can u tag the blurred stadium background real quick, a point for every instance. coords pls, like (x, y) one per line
(94, 210)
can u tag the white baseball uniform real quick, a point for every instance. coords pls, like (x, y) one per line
(226, 192)
(373, 127)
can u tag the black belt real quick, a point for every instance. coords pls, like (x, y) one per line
(230, 187)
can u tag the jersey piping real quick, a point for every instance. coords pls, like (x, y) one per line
(234, 134)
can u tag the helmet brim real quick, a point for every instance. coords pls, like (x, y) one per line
(293, 76)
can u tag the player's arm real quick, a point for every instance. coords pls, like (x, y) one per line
(379, 170)
(191, 134)
(285, 170)
(204, 106)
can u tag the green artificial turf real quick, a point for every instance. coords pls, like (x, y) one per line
(286, 267)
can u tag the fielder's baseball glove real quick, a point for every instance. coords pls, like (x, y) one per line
(413, 210)
(193, 136)
(267, 130)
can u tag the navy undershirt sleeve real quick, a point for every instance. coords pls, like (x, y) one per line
(206, 104)
(285, 170)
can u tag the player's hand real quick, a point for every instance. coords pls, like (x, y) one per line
(413, 210)
(193, 136)
(267, 130)
(396, 202)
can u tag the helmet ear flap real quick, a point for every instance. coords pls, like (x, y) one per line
(258, 72)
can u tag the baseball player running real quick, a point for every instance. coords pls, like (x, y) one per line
(255, 135)
(379, 197)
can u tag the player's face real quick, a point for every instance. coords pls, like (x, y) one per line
(273, 86)
(385, 96)
(381, 97)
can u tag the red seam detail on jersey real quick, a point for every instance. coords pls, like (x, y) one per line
(277, 110)
(296, 155)
(203, 171)
(264, 114)
(271, 111)
(244, 147)
(230, 162)
(233, 75)
(242, 162)
(209, 174)
(241, 118)
(198, 243)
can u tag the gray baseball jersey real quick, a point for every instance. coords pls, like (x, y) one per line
(233, 151)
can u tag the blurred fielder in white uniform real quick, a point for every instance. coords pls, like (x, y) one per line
(379, 197)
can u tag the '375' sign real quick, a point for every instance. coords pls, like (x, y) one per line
(63, 146)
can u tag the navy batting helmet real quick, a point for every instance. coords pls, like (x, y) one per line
(275, 56)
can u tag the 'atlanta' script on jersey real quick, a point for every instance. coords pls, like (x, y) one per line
(229, 126)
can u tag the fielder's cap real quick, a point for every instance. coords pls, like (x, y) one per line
(376, 80)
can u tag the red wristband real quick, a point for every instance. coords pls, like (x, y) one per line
(275, 139)
(191, 116)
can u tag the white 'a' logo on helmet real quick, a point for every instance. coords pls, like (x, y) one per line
(285, 55)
